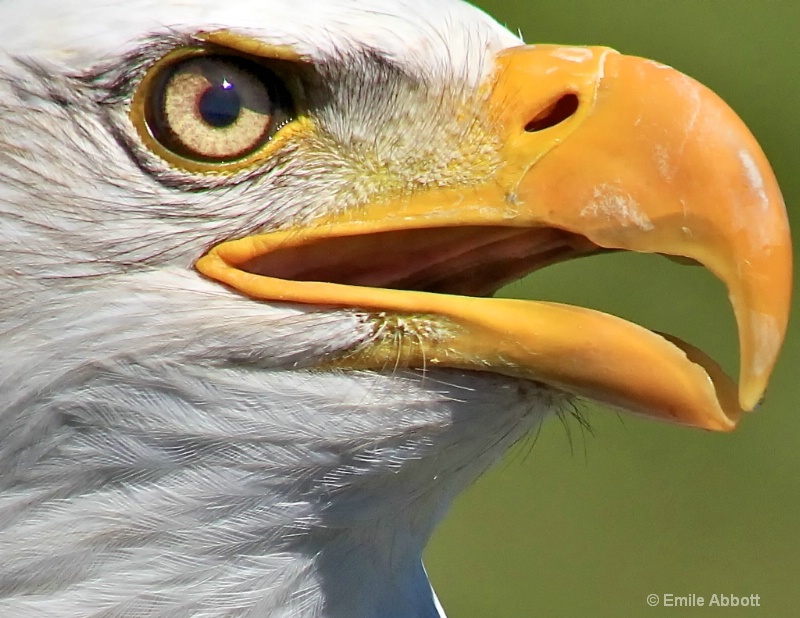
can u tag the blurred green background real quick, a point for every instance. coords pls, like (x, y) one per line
(589, 525)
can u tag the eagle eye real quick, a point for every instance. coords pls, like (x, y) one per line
(214, 108)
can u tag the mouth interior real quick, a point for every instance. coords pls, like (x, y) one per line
(466, 261)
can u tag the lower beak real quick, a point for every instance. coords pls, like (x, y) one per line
(620, 152)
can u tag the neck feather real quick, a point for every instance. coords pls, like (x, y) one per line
(150, 468)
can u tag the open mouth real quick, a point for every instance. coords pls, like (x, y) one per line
(646, 160)
(465, 261)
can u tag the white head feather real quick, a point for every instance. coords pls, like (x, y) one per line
(419, 34)
(166, 449)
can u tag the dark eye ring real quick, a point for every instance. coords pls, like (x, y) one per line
(215, 108)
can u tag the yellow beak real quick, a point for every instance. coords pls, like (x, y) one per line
(599, 151)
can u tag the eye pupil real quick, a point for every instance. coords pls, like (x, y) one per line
(220, 105)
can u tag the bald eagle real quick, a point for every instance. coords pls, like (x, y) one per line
(248, 349)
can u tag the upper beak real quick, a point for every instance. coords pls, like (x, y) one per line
(655, 162)
(623, 153)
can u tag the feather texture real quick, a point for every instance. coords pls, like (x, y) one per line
(168, 447)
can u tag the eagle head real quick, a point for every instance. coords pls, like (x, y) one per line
(248, 349)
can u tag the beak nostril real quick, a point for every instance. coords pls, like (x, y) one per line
(554, 114)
